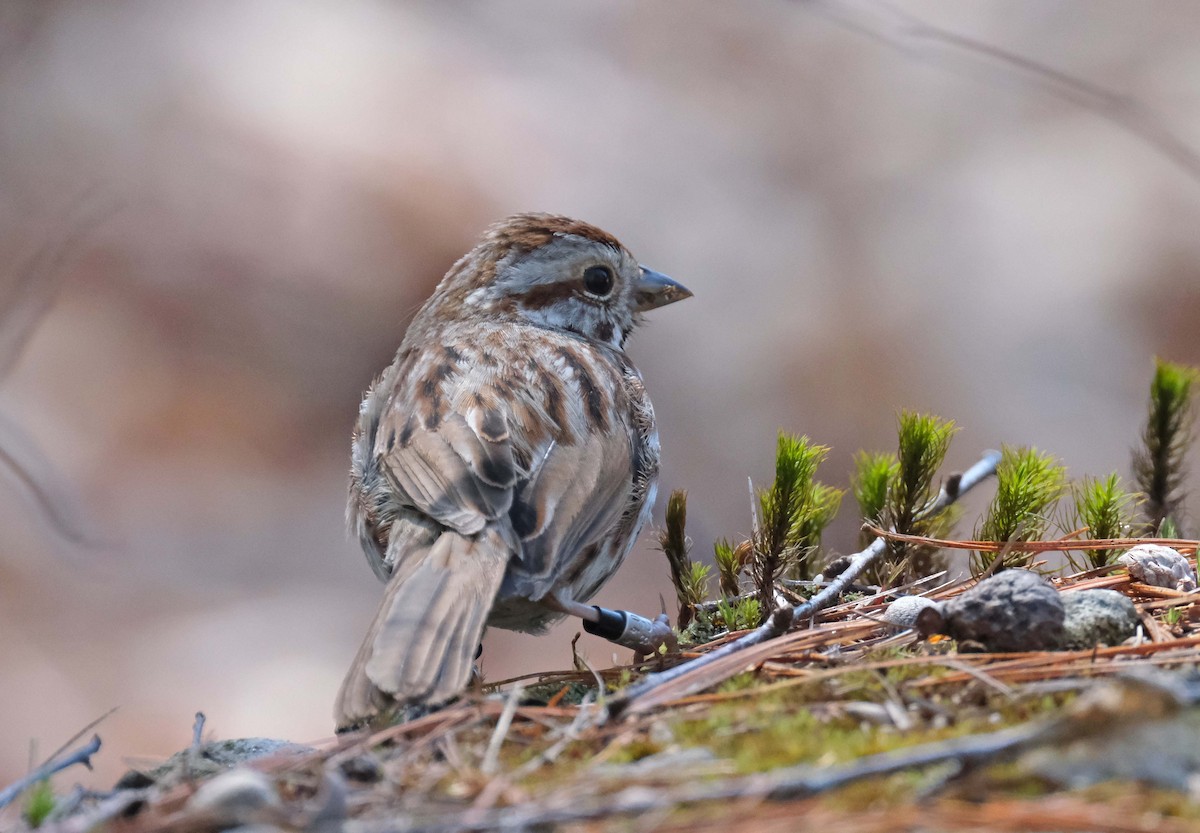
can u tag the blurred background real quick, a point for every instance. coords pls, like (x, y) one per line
(216, 219)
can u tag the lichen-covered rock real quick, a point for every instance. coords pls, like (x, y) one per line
(209, 759)
(1097, 617)
(904, 613)
(1015, 610)
(1160, 566)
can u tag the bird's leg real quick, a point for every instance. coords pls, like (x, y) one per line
(626, 629)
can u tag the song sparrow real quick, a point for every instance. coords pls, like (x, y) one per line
(504, 463)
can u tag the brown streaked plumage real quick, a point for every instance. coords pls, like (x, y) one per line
(504, 463)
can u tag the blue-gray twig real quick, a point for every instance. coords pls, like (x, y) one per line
(82, 755)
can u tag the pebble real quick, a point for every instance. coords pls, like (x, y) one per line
(238, 796)
(903, 613)
(1015, 610)
(1097, 617)
(1159, 566)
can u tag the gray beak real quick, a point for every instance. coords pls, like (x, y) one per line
(655, 290)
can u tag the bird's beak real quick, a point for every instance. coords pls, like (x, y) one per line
(655, 290)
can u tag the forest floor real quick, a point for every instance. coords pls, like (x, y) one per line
(845, 725)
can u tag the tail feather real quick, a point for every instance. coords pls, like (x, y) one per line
(421, 645)
(460, 652)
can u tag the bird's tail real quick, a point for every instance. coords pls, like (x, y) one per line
(421, 645)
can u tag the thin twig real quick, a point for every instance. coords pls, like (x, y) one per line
(585, 715)
(108, 808)
(75, 737)
(198, 730)
(627, 702)
(1059, 544)
(82, 755)
(491, 757)
(913, 36)
(792, 585)
(25, 299)
(983, 677)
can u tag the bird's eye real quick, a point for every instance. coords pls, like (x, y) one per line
(598, 280)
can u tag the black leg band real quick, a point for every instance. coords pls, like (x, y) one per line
(610, 625)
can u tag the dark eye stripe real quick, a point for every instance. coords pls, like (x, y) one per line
(545, 295)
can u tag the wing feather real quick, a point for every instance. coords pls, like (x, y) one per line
(578, 494)
(551, 479)
(452, 475)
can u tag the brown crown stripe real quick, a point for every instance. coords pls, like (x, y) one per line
(530, 231)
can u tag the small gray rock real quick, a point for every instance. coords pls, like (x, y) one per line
(1015, 610)
(903, 613)
(1097, 617)
(238, 796)
(1160, 566)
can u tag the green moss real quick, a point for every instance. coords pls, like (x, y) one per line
(729, 567)
(742, 682)
(792, 515)
(809, 526)
(1106, 510)
(634, 750)
(690, 578)
(877, 793)
(39, 803)
(1029, 483)
(739, 615)
(923, 440)
(543, 693)
(873, 476)
(774, 731)
(1159, 465)
(1165, 802)
(760, 737)
(702, 629)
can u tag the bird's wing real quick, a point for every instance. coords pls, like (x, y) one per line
(460, 472)
(551, 486)
(574, 495)
(464, 475)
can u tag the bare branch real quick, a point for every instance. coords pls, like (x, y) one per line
(82, 755)
(910, 34)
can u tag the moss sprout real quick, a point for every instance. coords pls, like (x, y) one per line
(689, 578)
(873, 476)
(792, 514)
(39, 803)
(1159, 464)
(1029, 484)
(1106, 510)
(923, 442)
(731, 560)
